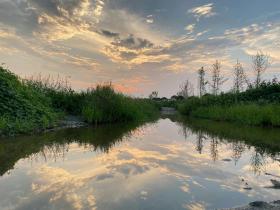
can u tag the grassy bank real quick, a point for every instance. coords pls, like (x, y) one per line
(255, 106)
(248, 114)
(22, 108)
(36, 104)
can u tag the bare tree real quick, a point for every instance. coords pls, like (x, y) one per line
(186, 89)
(239, 77)
(217, 78)
(153, 95)
(260, 62)
(201, 82)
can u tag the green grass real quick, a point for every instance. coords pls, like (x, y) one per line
(104, 105)
(255, 106)
(22, 108)
(251, 114)
(33, 105)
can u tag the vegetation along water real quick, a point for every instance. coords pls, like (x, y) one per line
(30, 105)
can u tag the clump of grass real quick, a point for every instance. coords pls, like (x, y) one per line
(104, 105)
(62, 97)
(96, 105)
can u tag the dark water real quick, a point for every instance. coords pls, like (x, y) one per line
(168, 164)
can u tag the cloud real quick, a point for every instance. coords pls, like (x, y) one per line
(98, 9)
(109, 34)
(131, 50)
(130, 24)
(176, 67)
(255, 37)
(64, 20)
(112, 37)
(60, 20)
(48, 51)
(135, 57)
(202, 11)
(131, 85)
(195, 206)
(132, 42)
(72, 10)
(240, 34)
(193, 50)
(150, 19)
(190, 28)
(60, 185)
(19, 15)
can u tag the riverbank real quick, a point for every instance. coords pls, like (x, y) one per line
(255, 106)
(34, 105)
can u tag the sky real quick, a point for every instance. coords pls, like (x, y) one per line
(139, 46)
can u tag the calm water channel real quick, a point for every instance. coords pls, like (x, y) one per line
(167, 164)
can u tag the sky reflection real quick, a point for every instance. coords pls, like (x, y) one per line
(156, 166)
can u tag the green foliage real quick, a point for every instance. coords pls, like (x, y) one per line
(22, 108)
(61, 96)
(37, 103)
(251, 114)
(166, 103)
(104, 105)
(255, 106)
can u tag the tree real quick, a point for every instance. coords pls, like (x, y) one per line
(217, 78)
(239, 77)
(201, 82)
(186, 89)
(260, 62)
(153, 95)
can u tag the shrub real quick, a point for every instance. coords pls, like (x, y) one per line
(104, 105)
(22, 107)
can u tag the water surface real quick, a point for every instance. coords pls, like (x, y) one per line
(168, 164)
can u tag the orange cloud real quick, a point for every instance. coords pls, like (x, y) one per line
(131, 85)
(125, 89)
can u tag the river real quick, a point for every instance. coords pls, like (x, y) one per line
(171, 163)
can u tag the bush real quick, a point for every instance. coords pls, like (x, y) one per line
(104, 105)
(22, 107)
(61, 96)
